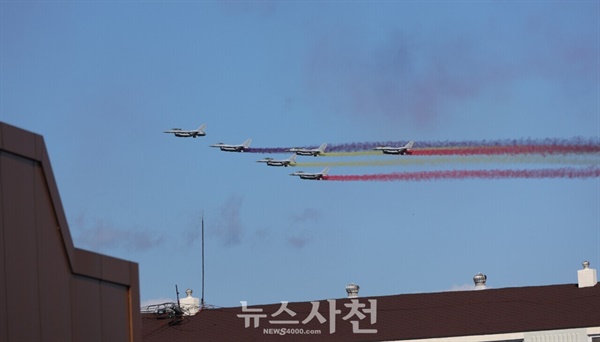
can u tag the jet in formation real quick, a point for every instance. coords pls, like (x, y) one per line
(309, 151)
(178, 132)
(233, 148)
(312, 176)
(283, 162)
(396, 150)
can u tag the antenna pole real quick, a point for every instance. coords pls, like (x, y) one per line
(202, 299)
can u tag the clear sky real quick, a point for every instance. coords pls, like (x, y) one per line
(102, 80)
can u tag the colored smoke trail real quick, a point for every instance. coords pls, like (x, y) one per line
(352, 154)
(518, 149)
(471, 174)
(362, 146)
(267, 150)
(445, 160)
(575, 141)
(572, 145)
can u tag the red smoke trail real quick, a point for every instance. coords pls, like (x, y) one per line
(515, 149)
(470, 174)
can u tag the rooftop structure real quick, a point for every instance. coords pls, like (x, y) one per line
(567, 312)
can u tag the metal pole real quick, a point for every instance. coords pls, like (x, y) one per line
(202, 300)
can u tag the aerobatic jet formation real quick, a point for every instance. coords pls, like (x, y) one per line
(178, 132)
(396, 150)
(312, 176)
(233, 148)
(309, 151)
(283, 162)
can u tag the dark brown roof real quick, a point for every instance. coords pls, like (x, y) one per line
(399, 317)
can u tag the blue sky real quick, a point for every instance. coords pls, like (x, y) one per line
(101, 81)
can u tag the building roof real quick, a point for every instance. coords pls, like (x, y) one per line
(397, 317)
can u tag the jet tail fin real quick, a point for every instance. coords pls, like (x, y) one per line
(246, 143)
(201, 128)
(325, 171)
(322, 147)
(410, 144)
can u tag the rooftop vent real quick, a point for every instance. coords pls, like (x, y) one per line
(587, 277)
(479, 279)
(189, 304)
(352, 290)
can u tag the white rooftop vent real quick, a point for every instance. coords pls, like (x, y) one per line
(587, 277)
(479, 279)
(189, 304)
(352, 290)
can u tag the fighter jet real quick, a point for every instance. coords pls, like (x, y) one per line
(178, 132)
(396, 150)
(312, 176)
(284, 162)
(233, 148)
(309, 151)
